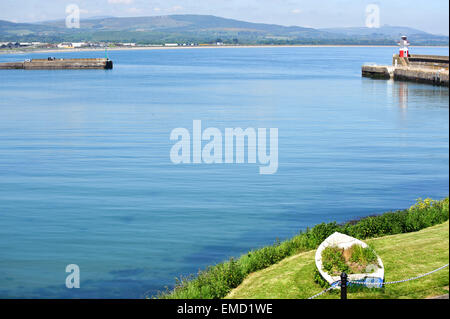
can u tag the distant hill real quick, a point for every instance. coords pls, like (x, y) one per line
(387, 30)
(204, 29)
(390, 32)
(183, 23)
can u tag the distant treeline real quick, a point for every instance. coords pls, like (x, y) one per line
(164, 37)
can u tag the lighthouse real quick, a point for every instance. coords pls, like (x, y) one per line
(404, 51)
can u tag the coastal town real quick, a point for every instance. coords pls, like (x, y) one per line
(94, 45)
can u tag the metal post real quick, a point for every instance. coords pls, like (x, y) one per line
(343, 286)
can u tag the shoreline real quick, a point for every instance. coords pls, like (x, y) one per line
(211, 282)
(247, 46)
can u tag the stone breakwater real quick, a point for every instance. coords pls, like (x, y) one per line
(416, 68)
(58, 64)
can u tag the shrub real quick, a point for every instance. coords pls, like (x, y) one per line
(319, 233)
(354, 259)
(317, 277)
(333, 261)
(217, 281)
(362, 256)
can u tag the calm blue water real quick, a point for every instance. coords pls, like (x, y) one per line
(86, 178)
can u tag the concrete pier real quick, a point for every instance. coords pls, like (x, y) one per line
(378, 71)
(59, 64)
(415, 68)
(422, 75)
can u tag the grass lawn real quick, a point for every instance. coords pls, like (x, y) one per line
(403, 255)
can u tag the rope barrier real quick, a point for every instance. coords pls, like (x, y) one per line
(404, 280)
(338, 283)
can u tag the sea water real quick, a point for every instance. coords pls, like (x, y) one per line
(86, 176)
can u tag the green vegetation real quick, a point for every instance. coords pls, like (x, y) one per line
(353, 260)
(217, 281)
(204, 29)
(333, 261)
(404, 256)
(362, 256)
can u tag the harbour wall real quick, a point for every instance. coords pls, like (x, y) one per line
(59, 64)
(420, 60)
(421, 75)
(429, 69)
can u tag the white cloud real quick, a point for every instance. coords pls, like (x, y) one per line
(296, 11)
(134, 10)
(120, 1)
(157, 9)
(176, 8)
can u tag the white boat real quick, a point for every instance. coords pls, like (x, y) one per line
(374, 279)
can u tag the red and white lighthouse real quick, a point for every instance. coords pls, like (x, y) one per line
(404, 51)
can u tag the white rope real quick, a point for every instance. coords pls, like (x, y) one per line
(333, 285)
(404, 280)
(338, 283)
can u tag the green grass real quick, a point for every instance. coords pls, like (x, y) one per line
(217, 281)
(403, 255)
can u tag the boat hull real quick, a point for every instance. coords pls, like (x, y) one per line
(371, 280)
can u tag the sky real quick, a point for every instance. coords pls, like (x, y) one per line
(431, 16)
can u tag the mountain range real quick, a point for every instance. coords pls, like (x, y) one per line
(205, 29)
